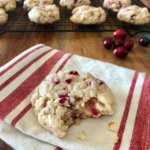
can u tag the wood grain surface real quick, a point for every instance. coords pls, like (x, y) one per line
(84, 44)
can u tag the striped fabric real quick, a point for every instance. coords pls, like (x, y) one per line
(131, 89)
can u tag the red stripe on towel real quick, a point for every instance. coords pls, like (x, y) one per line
(21, 92)
(126, 112)
(63, 64)
(141, 131)
(21, 114)
(27, 108)
(18, 60)
(8, 81)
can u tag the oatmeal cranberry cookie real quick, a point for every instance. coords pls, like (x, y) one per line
(29, 4)
(88, 15)
(70, 4)
(66, 96)
(3, 16)
(134, 14)
(115, 5)
(8, 5)
(45, 14)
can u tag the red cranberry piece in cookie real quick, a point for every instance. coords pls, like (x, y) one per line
(58, 148)
(74, 73)
(74, 116)
(62, 100)
(90, 105)
(101, 82)
(63, 95)
(45, 104)
(68, 81)
(95, 112)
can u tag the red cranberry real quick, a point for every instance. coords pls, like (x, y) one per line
(144, 41)
(108, 42)
(44, 104)
(128, 44)
(63, 95)
(58, 148)
(74, 116)
(62, 100)
(101, 82)
(119, 42)
(120, 33)
(95, 111)
(74, 73)
(120, 52)
(68, 81)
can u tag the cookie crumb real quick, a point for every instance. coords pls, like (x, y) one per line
(82, 135)
(116, 140)
(112, 126)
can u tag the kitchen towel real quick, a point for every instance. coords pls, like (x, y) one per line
(19, 141)
(131, 90)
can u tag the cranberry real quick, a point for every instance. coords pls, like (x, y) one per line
(120, 33)
(89, 83)
(68, 81)
(63, 95)
(120, 52)
(58, 148)
(74, 116)
(119, 42)
(101, 82)
(128, 44)
(95, 111)
(144, 41)
(62, 100)
(74, 73)
(45, 104)
(108, 42)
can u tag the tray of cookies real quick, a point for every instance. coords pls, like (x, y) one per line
(74, 16)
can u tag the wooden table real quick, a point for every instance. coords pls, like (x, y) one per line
(85, 44)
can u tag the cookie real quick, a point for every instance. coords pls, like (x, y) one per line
(134, 14)
(88, 15)
(70, 4)
(45, 14)
(8, 5)
(29, 4)
(3, 16)
(66, 96)
(115, 5)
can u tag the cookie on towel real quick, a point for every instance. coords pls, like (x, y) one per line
(66, 96)
(45, 14)
(115, 5)
(3, 16)
(29, 4)
(134, 14)
(88, 15)
(70, 4)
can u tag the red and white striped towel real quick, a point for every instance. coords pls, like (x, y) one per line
(131, 89)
